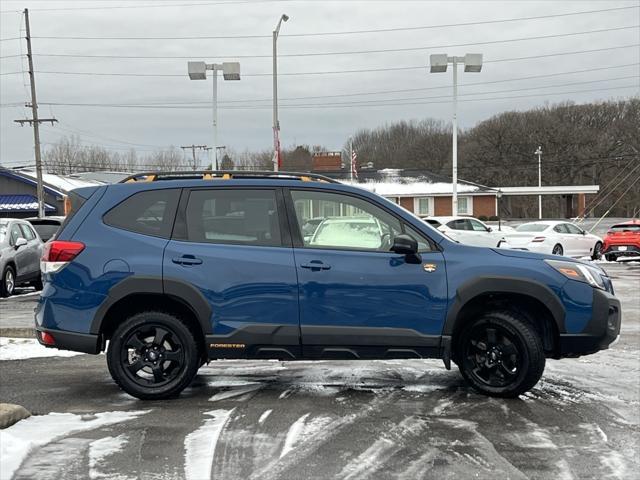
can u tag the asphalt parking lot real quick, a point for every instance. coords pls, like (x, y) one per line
(295, 420)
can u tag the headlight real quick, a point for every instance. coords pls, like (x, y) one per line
(580, 272)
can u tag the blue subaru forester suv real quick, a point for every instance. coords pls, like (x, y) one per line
(167, 271)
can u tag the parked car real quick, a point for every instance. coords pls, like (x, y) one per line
(556, 238)
(46, 226)
(467, 230)
(20, 251)
(169, 273)
(622, 240)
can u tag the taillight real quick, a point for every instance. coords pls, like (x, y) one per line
(538, 239)
(57, 253)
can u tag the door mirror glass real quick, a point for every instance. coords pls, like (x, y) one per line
(404, 245)
(20, 242)
(489, 229)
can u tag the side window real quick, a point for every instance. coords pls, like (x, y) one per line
(15, 235)
(560, 228)
(477, 226)
(344, 222)
(27, 233)
(241, 217)
(573, 229)
(460, 224)
(149, 213)
(423, 244)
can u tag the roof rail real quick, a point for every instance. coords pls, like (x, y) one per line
(225, 175)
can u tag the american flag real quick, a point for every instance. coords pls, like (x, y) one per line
(354, 168)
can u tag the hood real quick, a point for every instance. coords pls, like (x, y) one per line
(530, 255)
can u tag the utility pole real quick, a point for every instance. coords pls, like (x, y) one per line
(193, 152)
(35, 121)
(539, 153)
(276, 122)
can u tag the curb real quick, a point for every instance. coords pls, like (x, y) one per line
(18, 332)
(11, 414)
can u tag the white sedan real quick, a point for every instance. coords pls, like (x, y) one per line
(557, 238)
(469, 231)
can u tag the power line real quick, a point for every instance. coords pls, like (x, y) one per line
(347, 32)
(336, 105)
(331, 72)
(354, 52)
(363, 102)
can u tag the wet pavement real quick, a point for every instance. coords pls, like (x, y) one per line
(337, 419)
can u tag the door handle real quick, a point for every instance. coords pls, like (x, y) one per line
(316, 265)
(187, 260)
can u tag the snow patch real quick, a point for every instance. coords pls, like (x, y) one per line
(301, 431)
(100, 449)
(18, 440)
(235, 392)
(22, 348)
(615, 462)
(264, 416)
(200, 445)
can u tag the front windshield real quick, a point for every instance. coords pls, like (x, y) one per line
(532, 227)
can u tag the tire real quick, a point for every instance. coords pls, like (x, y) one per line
(138, 347)
(8, 281)
(500, 354)
(597, 251)
(610, 257)
(557, 250)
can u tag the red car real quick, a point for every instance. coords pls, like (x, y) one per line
(623, 239)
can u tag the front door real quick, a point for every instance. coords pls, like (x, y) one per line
(233, 246)
(357, 298)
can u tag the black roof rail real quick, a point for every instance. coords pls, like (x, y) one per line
(225, 175)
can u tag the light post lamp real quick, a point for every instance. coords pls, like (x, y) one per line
(276, 122)
(230, 71)
(499, 197)
(539, 153)
(472, 63)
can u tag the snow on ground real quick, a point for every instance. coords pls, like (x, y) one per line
(200, 445)
(100, 449)
(21, 348)
(18, 440)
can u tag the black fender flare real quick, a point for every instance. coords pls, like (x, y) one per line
(178, 290)
(487, 285)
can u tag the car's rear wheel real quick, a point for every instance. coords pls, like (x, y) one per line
(37, 284)
(500, 354)
(557, 250)
(597, 251)
(153, 355)
(8, 283)
(610, 257)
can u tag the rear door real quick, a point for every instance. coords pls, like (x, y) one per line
(21, 255)
(32, 250)
(358, 298)
(234, 246)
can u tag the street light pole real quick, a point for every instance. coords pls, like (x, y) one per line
(539, 153)
(230, 71)
(472, 63)
(276, 121)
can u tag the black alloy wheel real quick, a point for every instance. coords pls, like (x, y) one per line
(597, 251)
(500, 354)
(557, 250)
(153, 355)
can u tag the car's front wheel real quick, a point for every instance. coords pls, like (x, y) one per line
(500, 354)
(153, 355)
(8, 283)
(597, 251)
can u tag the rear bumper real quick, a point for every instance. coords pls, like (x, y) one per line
(629, 250)
(77, 342)
(601, 331)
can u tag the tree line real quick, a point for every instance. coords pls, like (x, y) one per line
(596, 143)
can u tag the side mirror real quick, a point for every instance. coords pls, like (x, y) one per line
(489, 229)
(584, 232)
(20, 242)
(404, 245)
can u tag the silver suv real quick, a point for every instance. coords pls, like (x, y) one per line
(20, 252)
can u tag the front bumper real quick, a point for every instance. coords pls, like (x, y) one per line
(77, 342)
(601, 331)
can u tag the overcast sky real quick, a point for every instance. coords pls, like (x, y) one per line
(580, 77)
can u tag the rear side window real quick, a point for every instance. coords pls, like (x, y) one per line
(150, 213)
(241, 217)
